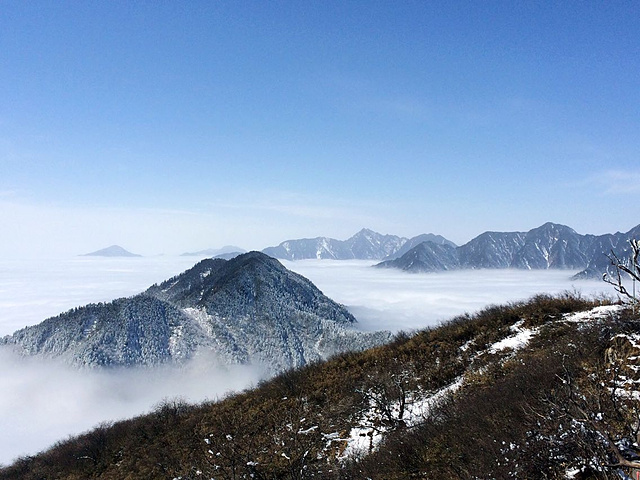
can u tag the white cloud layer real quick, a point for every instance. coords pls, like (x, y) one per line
(43, 402)
(388, 299)
(32, 290)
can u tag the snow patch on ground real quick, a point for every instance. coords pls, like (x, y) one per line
(370, 431)
(517, 341)
(633, 339)
(468, 344)
(202, 318)
(597, 313)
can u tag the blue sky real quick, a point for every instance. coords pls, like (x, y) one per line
(174, 126)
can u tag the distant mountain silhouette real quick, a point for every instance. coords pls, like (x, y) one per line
(229, 255)
(112, 251)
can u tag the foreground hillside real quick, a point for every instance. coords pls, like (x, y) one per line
(529, 390)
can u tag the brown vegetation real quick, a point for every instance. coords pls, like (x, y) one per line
(534, 413)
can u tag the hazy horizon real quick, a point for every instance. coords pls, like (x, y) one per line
(193, 253)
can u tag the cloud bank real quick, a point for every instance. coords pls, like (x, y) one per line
(387, 299)
(43, 402)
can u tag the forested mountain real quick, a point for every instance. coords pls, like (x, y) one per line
(364, 245)
(246, 310)
(538, 389)
(548, 246)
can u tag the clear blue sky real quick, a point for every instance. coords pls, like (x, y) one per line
(175, 126)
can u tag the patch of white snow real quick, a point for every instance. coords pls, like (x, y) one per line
(514, 342)
(597, 313)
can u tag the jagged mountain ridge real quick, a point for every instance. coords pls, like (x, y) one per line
(617, 243)
(550, 246)
(364, 245)
(246, 310)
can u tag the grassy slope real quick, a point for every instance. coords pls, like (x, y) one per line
(506, 420)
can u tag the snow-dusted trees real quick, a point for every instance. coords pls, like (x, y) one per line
(600, 417)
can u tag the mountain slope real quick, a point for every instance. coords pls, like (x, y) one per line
(491, 250)
(320, 248)
(537, 389)
(246, 310)
(140, 330)
(552, 246)
(602, 246)
(370, 245)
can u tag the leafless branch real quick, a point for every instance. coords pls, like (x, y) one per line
(620, 266)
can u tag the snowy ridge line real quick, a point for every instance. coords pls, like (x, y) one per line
(597, 313)
(550, 246)
(522, 336)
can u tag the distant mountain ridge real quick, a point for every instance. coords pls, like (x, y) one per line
(249, 309)
(364, 245)
(550, 246)
(112, 251)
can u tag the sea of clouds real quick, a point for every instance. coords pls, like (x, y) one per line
(42, 402)
(390, 299)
